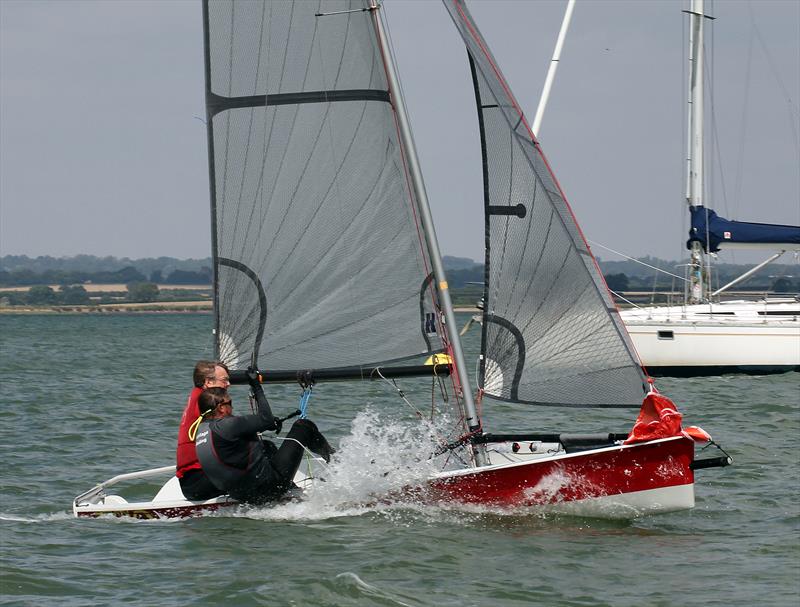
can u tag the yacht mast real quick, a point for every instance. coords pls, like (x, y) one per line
(551, 72)
(695, 183)
(472, 418)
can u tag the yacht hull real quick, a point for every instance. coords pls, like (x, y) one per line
(734, 337)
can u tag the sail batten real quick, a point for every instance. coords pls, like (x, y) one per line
(218, 103)
(318, 259)
(551, 333)
(345, 373)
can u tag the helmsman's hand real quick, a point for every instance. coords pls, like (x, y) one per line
(253, 377)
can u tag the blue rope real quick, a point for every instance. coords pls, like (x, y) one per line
(304, 398)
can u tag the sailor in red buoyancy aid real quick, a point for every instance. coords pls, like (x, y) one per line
(194, 482)
(234, 457)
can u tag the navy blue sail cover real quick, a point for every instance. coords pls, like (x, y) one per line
(714, 232)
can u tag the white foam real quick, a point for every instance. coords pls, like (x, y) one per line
(39, 518)
(369, 590)
(378, 456)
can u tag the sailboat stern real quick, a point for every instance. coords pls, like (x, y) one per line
(621, 481)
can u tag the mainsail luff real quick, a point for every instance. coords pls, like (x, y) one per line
(317, 258)
(552, 334)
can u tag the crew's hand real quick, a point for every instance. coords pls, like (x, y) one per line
(253, 377)
(305, 378)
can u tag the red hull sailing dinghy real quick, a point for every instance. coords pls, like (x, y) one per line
(326, 258)
(614, 476)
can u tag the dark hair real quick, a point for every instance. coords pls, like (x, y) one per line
(204, 369)
(211, 398)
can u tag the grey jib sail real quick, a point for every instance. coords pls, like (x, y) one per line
(551, 333)
(318, 260)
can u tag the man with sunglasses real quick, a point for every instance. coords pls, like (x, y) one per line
(234, 457)
(194, 482)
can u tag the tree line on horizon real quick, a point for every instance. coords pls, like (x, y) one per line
(620, 281)
(77, 295)
(93, 263)
(21, 271)
(127, 275)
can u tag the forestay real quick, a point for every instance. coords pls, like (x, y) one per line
(551, 333)
(318, 259)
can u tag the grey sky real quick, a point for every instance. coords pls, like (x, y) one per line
(101, 153)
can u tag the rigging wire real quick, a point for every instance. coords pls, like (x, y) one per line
(440, 438)
(304, 398)
(627, 301)
(437, 380)
(717, 148)
(737, 192)
(400, 393)
(714, 152)
(684, 177)
(593, 243)
(793, 113)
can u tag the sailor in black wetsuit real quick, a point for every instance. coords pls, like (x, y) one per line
(237, 461)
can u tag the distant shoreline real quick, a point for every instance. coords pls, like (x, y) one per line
(195, 307)
(178, 307)
(114, 287)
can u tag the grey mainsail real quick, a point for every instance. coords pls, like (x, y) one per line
(551, 332)
(319, 261)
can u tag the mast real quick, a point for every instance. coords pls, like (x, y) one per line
(551, 72)
(211, 176)
(695, 185)
(472, 418)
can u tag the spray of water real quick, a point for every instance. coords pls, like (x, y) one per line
(380, 456)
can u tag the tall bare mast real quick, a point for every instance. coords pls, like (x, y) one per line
(472, 418)
(551, 72)
(695, 181)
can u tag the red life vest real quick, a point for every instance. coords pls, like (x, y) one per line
(186, 455)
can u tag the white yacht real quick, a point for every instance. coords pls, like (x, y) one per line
(705, 336)
(709, 339)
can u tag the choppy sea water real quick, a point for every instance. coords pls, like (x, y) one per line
(86, 397)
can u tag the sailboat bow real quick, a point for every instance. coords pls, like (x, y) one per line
(552, 336)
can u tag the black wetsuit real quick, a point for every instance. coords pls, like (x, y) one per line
(250, 470)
